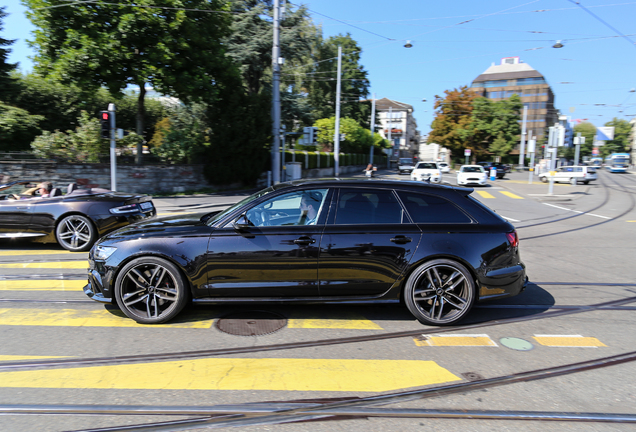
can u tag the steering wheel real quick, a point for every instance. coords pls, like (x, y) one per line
(13, 196)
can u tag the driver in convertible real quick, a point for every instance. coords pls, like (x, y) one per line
(45, 189)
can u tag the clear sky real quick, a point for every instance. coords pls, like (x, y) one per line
(454, 41)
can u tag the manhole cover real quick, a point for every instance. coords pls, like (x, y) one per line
(516, 343)
(472, 376)
(251, 323)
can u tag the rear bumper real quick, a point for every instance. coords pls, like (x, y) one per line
(503, 282)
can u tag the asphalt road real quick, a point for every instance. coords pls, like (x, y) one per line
(563, 347)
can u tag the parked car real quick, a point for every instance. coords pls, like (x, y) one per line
(582, 174)
(434, 246)
(405, 165)
(443, 167)
(472, 175)
(501, 168)
(75, 220)
(427, 171)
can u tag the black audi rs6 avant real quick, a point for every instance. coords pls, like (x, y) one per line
(355, 240)
(74, 217)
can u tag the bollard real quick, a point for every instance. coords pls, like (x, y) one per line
(493, 174)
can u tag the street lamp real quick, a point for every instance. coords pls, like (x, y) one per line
(408, 44)
(558, 44)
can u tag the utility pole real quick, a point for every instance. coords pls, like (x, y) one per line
(113, 155)
(336, 138)
(276, 96)
(578, 140)
(390, 125)
(523, 137)
(372, 128)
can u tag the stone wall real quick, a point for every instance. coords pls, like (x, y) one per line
(132, 178)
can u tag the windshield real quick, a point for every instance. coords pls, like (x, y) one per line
(239, 204)
(406, 161)
(472, 169)
(426, 165)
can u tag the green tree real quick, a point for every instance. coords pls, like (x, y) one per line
(356, 138)
(173, 45)
(17, 128)
(452, 119)
(7, 82)
(494, 126)
(588, 131)
(620, 143)
(321, 81)
(82, 144)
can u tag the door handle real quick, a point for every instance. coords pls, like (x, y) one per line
(399, 239)
(304, 241)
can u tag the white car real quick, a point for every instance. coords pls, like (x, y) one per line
(427, 171)
(443, 167)
(582, 174)
(472, 175)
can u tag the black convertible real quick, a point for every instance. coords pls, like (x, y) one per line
(433, 246)
(75, 218)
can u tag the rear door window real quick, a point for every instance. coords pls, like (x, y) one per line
(425, 208)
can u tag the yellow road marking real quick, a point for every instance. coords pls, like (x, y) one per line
(485, 194)
(35, 252)
(455, 340)
(42, 285)
(510, 194)
(7, 358)
(80, 318)
(337, 321)
(568, 341)
(291, 374)
(81, 264)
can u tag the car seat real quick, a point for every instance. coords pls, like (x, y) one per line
(55, 192)
(71, 187)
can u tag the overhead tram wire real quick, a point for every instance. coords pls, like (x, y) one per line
(602, 21)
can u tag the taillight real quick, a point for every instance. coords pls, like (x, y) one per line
(513, 238)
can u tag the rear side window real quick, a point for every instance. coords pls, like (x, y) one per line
(366, 206)
(432, 209)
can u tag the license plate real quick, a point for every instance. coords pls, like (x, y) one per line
(145, 205)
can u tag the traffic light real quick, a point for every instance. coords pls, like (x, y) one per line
(104, 119)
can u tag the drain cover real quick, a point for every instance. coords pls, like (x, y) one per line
(251, 323)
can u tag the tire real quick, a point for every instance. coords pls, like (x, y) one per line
(586, 182)
(76, 233)
(151, 290)
(543, 179)
(440, 292)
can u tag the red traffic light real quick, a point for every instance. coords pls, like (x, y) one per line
(105, 115)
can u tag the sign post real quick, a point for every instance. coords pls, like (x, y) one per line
(467, 154)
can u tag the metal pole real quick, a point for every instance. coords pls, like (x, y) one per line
(577, 148)
(523, 137)
(113, 155)
(336, 138)
(276, 96)
(390, 125)
(532, 148)
(372, 128)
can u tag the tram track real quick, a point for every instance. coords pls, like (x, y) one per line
(605, 201)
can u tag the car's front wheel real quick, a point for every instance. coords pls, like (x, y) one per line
(150, 290)
(76, 233)
(440, 292)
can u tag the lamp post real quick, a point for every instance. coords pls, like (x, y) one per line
(276, 96)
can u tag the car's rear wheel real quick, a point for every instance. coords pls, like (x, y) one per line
(76, 233)
(150, 290)
(543, 179)
(440, 292)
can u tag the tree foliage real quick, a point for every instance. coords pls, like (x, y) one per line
(452, 119)
(620, 143)
(356, 138)
(321, 81)
(173, 45)
(587, 130)
(17, 128)
(82, 144)
(7, 82)
(184, 136)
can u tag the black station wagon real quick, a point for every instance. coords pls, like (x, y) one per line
(432, 246)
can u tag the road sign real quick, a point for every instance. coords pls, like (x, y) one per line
(466, 152)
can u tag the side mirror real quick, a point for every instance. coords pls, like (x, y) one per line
(241, 223)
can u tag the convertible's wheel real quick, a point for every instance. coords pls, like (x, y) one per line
(76, 233)
(150, 290)
(440, 292)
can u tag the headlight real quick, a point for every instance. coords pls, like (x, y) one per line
(124, 209)
(103, 252)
